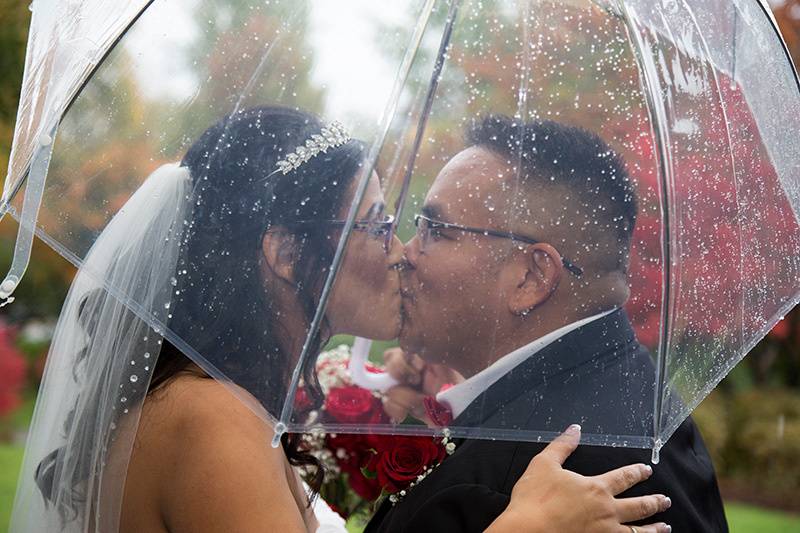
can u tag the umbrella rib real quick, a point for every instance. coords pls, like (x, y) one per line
(661, 140)
(389, 111)
(423, 120)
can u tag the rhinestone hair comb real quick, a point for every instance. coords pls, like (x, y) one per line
(329, 137)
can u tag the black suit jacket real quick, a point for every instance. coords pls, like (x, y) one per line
(598, 375)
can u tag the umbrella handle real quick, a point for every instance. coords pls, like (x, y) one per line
(379, 381)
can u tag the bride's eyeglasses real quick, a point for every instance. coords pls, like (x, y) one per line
(427, 229)
(379, 228)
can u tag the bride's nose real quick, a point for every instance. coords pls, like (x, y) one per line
(396, 252)
(412, 252)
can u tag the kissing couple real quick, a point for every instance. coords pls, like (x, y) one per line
(512, 289)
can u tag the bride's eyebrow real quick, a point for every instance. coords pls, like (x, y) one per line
(376, 209)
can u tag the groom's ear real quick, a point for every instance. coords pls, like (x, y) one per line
(537, 274)
(280, 253)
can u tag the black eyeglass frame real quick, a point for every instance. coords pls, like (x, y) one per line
(574, 269)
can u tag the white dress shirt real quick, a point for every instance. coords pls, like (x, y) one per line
(460, 396)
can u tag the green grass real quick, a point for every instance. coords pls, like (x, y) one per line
(10, 463)
(748, 519)
(741, 518)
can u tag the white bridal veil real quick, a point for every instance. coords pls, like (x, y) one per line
(100, 363)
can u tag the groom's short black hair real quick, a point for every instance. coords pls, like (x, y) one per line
(555, 153)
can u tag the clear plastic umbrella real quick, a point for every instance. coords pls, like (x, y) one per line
(624, 170)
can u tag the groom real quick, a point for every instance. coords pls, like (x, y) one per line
(516, 279)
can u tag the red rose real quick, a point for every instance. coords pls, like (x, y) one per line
(352, 452)
(354, 405)
(302, 401)
(358, 450)
(401, 459)
(367, 488)
(440, 414)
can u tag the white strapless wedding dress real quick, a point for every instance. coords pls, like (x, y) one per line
(329, 520)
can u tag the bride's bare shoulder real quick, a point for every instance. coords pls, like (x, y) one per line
(209, 446)
(189, 404)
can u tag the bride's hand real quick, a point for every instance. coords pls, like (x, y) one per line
(549, 498)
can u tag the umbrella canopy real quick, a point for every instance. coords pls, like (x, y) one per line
(598, 199)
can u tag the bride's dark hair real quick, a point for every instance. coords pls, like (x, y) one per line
(237, 197)
(221, 305)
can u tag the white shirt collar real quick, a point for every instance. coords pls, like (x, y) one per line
(460, 396)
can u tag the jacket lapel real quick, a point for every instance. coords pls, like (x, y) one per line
(601, 338)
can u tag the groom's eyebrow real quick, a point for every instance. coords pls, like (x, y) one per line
(433, 212)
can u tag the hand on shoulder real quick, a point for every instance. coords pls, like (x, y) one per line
(549, 498)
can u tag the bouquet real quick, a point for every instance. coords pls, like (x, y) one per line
(361, 468)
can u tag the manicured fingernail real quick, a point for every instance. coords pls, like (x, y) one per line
(667, 502)
(648, 469)
(668, 528)
(573, 429)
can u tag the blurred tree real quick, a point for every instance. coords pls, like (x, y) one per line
(14, 20)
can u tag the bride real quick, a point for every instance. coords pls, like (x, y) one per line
(230, 250)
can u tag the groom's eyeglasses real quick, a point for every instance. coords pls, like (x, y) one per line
(427, 229)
